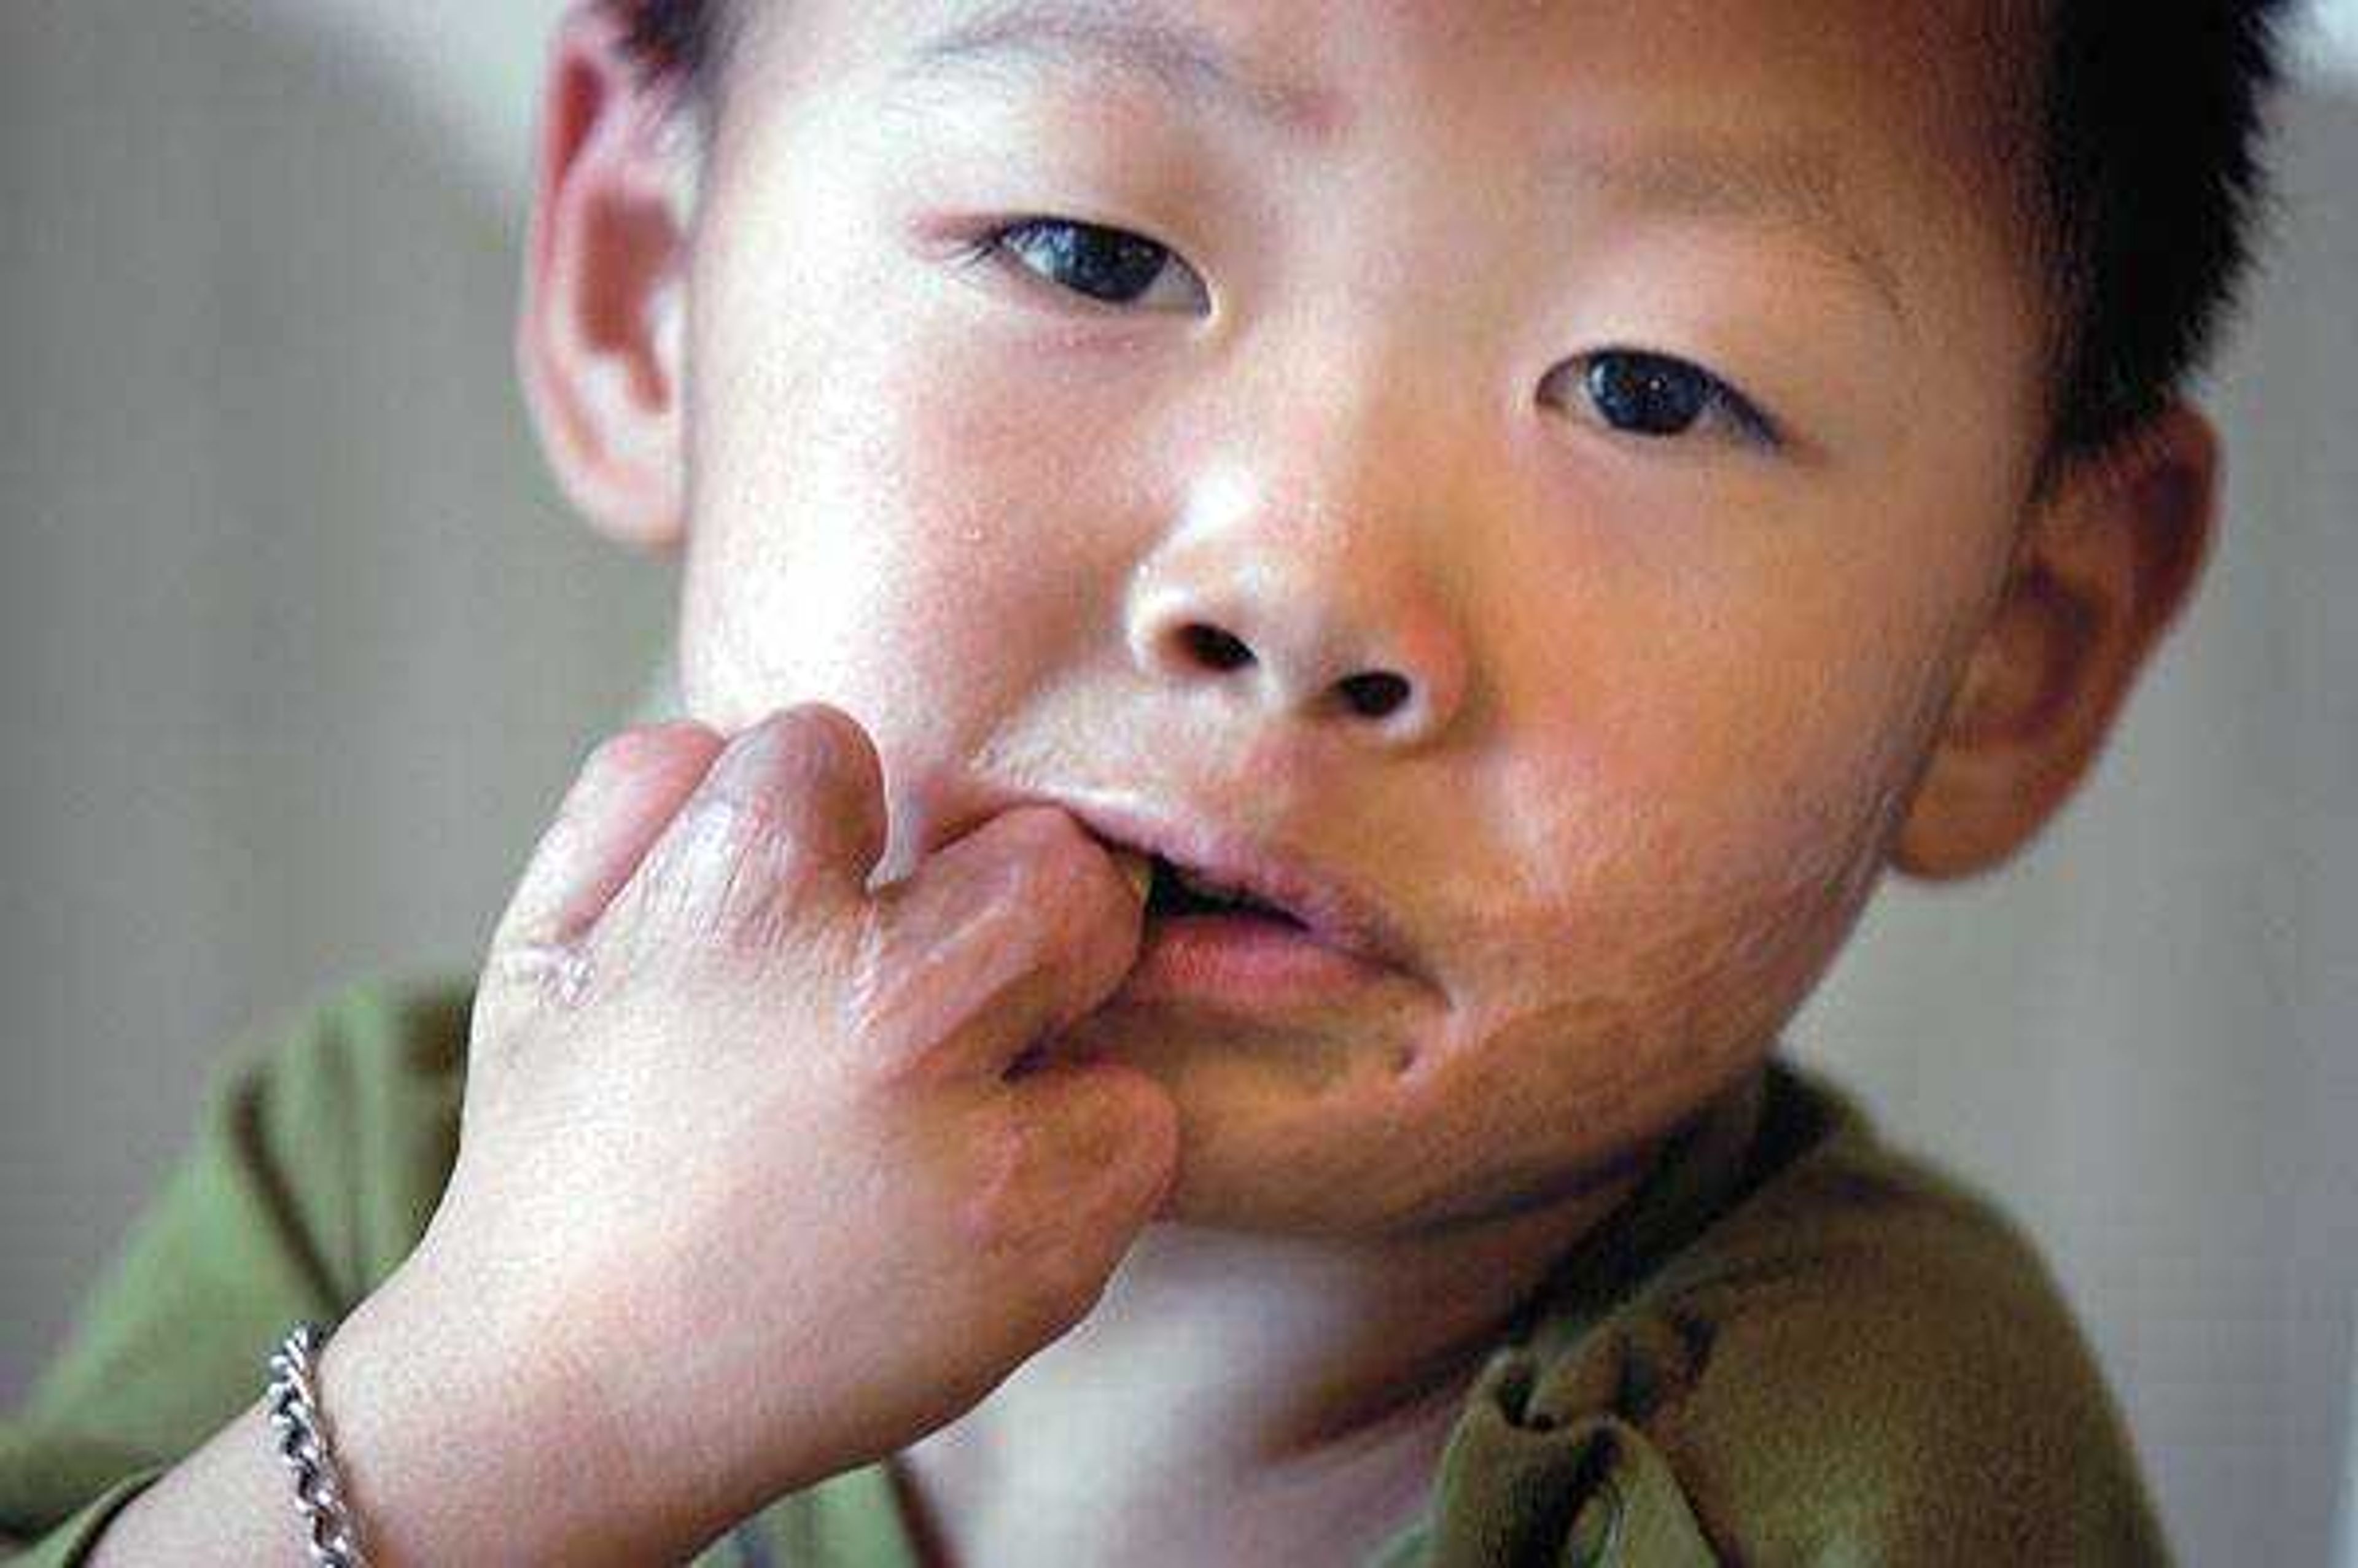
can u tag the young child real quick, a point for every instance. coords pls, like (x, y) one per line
(1305, 626)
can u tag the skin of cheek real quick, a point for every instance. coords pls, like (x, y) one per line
(899, 557)
(793, 549)
(1663, 938)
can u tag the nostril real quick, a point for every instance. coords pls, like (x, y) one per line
(1378, 694)
(1215, 649)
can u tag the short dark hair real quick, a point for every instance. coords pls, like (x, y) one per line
(2146, 183)
(678, 43)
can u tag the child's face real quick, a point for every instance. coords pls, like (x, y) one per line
(1666, 695)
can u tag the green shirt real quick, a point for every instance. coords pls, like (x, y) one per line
(1791, 1344)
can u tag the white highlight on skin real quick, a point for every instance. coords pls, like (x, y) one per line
(558, 970)
(1221, 496)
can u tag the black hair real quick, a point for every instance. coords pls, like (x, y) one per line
(678, 43)
(2149, 137)
(2146, 185)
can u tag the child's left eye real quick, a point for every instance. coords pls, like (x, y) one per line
(1656, 396)
(1113, 267)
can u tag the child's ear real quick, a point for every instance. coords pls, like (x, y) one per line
(2109, 554)
(600, 337)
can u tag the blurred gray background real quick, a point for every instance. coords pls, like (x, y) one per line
(297, 648)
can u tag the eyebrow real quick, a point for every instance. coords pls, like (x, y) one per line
(1108, 34)
(1790, 189)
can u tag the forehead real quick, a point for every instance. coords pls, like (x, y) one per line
(1870, 72)
(1879, 130)
(1890, 68)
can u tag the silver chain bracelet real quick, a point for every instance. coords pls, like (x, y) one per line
(294, 1404)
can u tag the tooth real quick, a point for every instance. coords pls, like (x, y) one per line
(1137, 872)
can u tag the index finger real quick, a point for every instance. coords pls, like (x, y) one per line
(628, 791)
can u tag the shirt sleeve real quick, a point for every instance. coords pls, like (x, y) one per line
(319, 1155)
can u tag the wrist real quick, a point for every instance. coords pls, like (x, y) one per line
(463, 1438)
(304, 1445)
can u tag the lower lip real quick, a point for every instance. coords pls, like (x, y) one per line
(1243, 961)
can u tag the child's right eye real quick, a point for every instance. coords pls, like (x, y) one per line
(1112, 267)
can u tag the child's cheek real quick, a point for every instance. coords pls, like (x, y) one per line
(1673, 930)
(1566, 1067)
(885, 540)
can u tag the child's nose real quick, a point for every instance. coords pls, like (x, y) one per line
(1300, 624)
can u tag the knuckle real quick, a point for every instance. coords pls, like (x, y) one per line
(814, 747)
(1052, 1299)
(712, 832)
(1067, 1281)
(538, 976)
(689, 865)
(803, 773)
(764, 895)
(825, 730)
(736, 870)
(1009, 1208)
(629, 749)
(732, 820)
(1050, 1282)
(1049, 1201)
(998, 1217)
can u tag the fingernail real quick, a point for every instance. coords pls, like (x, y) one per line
(1136, 871)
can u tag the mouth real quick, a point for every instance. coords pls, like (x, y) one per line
(1179, 893)
(1231, 924)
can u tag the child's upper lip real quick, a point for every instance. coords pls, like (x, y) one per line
(1330, 911)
